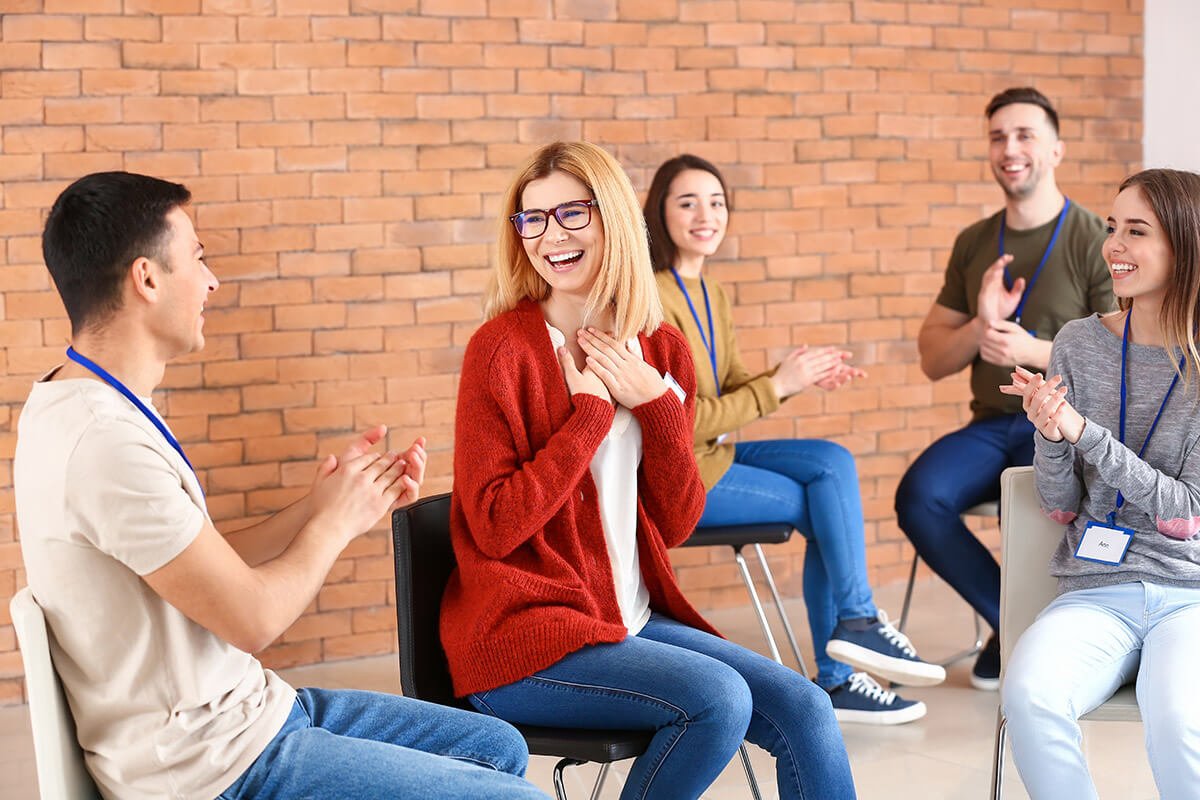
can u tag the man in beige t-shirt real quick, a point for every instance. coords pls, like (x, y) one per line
(152, 613)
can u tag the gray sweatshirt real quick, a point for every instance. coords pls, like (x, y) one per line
(1078, 483)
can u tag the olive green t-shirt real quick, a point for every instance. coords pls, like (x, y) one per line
(1074, 283)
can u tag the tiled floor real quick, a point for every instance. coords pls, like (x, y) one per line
(945, 755)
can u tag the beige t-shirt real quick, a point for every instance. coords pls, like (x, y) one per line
(163, 707)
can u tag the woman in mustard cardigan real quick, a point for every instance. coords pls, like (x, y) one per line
(810, 483)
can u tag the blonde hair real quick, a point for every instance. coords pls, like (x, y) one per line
(626, 279)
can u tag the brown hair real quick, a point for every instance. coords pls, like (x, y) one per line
(663, 251)
(1174, 196)
(1023, 94)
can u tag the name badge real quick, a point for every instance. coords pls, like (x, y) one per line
(1106, 544)
(674, 386)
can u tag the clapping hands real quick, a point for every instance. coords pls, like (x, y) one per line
(1046, 406)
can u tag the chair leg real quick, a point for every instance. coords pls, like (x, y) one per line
(750, 778)
(600, 780)
(560, 791)
(998, 755)
(973, 650)
(787, 625)
(912, 579)
(758, 609)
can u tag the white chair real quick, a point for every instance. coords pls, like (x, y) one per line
(1028, 540)
(60, 769)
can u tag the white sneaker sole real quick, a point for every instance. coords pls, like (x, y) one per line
(896, 670)
(897, 716)
(985, 684)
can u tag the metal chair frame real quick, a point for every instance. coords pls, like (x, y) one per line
(738, 537)
(988, 509)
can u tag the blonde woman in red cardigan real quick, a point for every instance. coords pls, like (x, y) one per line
(574, 474)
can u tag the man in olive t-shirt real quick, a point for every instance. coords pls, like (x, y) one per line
(1012, 281)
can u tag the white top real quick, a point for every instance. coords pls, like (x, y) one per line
(614, 469)
(163, 708)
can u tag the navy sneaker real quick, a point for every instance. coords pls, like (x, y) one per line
(985, 674)
(876, 646)
(861, 699)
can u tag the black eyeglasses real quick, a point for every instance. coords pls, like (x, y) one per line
(531, 223)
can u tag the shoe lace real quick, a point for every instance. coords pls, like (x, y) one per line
(895, 637)
(864, 684)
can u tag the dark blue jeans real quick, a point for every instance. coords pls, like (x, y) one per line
(703, 695)
(960, 470)
(811, 484)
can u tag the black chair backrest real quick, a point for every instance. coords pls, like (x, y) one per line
(424, 559)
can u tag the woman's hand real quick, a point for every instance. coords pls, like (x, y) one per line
(840, 375)
(1046, 406)
(802, 368)
(585, 382)
(631, 380)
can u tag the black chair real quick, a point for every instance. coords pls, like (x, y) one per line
(424, 560)
(738, 537)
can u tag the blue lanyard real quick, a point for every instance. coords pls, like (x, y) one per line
(710, 344)
(1062, 215)
(123, 389)
(1112, 517)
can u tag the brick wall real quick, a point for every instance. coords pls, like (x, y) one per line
(347, 158)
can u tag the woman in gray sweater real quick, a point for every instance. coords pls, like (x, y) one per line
(1117, 461)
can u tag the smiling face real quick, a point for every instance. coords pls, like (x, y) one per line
(1023, 148)
(1137, 250)
(185, 285)
(568, 260)
(696, 213)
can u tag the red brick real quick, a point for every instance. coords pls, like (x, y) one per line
(78, 55)
(18, 83)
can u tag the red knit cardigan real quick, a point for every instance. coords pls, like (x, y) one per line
(534, 581)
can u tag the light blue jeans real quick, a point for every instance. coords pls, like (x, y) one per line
(812, 485)
(343, 744)
(703, 695)
(1083, 647)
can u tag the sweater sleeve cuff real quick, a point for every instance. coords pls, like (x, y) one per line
(1092, 436)
(764, 392)
(1049, 449)
(663, 412)
(593, 417)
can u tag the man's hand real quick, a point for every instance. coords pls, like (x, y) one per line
(1006, 344)
(995, 302)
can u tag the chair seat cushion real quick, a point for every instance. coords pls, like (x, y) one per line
(585, 745)
(740, 535)
(1121, 707)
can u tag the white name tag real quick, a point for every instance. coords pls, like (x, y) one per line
(674, 386)
(1106, 544)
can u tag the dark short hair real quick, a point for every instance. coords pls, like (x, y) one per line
(96, 228)
(1023, 94)
(662, 250)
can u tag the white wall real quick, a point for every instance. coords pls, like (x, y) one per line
(1171, 113)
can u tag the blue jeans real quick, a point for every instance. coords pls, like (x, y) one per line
(703, 695)
(811, 484)
(960, 470)
(340, 744)
(1083, 647)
